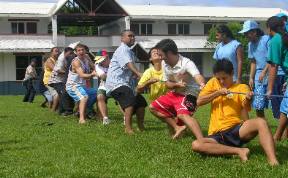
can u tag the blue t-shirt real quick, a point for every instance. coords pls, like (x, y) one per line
(228, 51)
(118, 73)
(258, 51)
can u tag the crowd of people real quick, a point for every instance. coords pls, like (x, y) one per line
(176, 87)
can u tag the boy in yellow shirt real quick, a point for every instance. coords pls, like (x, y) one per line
(152, 77)
(227, 132)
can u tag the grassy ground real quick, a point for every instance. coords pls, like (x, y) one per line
(37, 143)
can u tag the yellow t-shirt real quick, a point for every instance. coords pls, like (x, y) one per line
(225, 110)
(47, 71)
(157, 89)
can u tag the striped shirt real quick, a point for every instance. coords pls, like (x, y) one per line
(30, 73)
(57, 77)
(118, 72)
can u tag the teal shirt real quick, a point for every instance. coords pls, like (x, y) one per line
(278, 53)
(275, 50)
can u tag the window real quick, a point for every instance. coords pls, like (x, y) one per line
(207, 27)
(171, 29)
(181, 29)
(31, 27)
(135, 29)
(22, 62)
(196, 58)
(141, 28)
(24, 27)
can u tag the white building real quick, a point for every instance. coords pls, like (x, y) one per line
(29, 30)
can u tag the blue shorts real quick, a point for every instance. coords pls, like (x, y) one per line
(77, 93)
(48, 96)
(229, 137)
(260, 102)
(284, 104)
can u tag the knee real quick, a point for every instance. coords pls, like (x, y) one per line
(151, 108)
(100, 98)
(196, 144)
(184, 116)
(261, 123)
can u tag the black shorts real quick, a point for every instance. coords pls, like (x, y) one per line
(229, 137)
(59, 87)
(126, 98)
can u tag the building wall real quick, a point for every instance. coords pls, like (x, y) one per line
(7, 67)
(8, 85)
(42, 25)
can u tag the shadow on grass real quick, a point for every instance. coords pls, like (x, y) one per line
(9, 142)
(281, 152)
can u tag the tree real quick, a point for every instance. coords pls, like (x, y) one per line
(235, 27)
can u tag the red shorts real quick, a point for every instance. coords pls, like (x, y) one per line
(171, 104)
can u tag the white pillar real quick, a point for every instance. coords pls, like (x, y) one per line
(54, 29)
(127, 23)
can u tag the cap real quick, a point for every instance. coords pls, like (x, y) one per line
(281, 14)
(249, 25)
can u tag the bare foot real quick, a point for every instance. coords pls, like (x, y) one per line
(178, 131)
(82, 121)
(129, 131)
(273, 163)
(243, 154)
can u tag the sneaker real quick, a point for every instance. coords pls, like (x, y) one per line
(106, 121)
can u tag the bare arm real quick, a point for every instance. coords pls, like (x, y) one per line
(141, 88)
(272, 76)
(252, 73)
(263, 73)
(200, 80)
(239, 53)
(205, 99)
(135, 71)
(49, 64)
(77, 67)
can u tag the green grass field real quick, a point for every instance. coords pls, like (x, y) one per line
(35, 142)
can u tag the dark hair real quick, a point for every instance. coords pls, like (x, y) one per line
(80, 46)
(34, 60)
(275, 24)
(124, 31)
(68, 49)
(259, 32)
(52, 49)
(223, 65)
(167, 45)
(223, 29)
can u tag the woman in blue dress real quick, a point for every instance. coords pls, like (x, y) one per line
(257, 53)
(230, 49)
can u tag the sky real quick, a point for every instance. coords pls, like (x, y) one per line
(239, 3)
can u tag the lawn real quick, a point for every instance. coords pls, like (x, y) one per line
(35, 142)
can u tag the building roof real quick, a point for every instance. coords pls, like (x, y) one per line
(199, 12)
(184, 43)
(26, 9)
(25, 44)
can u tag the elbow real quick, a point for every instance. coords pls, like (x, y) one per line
(200, 102)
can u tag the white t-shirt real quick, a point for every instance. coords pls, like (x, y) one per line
(183, 71)
(101, 71)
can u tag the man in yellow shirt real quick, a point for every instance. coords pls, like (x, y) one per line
(152, 77)
(227, 132)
